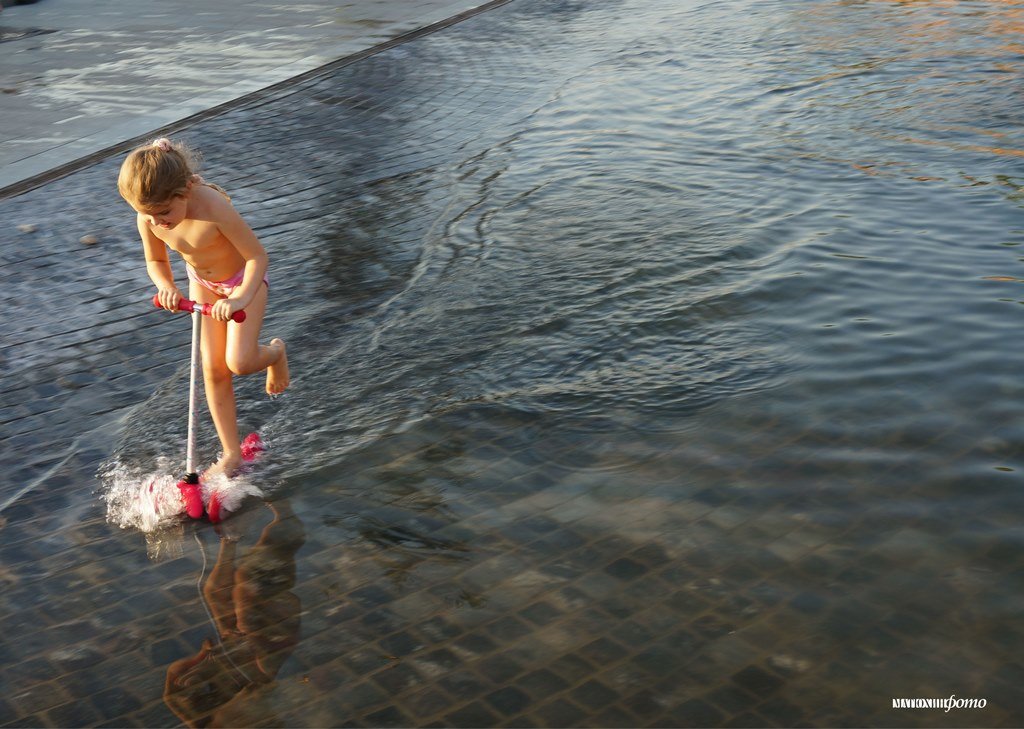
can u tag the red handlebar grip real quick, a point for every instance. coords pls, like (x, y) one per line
(204, 309)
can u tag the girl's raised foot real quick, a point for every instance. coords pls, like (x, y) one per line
(277, 373)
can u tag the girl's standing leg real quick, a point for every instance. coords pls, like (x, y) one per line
(217, 379)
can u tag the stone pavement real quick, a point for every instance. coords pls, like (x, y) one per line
(478, 569)
(80, 77)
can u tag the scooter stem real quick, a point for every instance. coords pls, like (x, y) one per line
(193, 366)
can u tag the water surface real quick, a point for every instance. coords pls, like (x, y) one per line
(656, 363)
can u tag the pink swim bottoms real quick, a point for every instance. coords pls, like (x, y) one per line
(221, 288)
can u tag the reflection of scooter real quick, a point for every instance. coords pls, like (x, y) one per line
(257, 619)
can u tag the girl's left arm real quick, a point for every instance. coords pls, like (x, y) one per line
(242, 237)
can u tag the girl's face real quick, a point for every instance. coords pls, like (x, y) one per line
(166, 215)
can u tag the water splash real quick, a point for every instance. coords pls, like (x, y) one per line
(144, 500)
(231, 491)
(148, 500)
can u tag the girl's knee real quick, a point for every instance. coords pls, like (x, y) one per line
(241, 364)
(214, 372)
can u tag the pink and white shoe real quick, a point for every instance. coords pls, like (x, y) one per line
(252, 447)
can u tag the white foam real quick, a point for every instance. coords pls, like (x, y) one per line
(146, 502)
(232, 492)
(151, 501)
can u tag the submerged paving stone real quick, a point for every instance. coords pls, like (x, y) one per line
(560, 712)
(542, 683)
(483, 566)
(472, 715)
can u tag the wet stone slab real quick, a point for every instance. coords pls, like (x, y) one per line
(483, 567)
(579, 622)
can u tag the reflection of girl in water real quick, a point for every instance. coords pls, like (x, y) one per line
(257, 618)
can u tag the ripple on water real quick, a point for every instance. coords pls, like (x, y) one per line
(715, 225)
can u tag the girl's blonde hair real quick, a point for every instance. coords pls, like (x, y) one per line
(154, 173)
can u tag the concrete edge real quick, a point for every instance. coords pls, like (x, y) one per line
(55, 163)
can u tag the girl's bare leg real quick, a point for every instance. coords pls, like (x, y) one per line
(246, 355)
(217, 379)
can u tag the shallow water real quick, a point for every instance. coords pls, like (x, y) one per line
(734, 284)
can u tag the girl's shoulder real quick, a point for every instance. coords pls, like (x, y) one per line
(200, 182)
(215, 186)
(212, 197)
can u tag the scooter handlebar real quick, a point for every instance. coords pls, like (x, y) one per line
(204, 309)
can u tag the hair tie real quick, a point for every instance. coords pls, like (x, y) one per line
(163, 144)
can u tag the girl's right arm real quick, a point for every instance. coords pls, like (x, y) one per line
(158, 266)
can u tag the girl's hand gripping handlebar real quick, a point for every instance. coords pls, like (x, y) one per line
(204, 309)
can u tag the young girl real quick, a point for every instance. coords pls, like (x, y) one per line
(226, 267)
